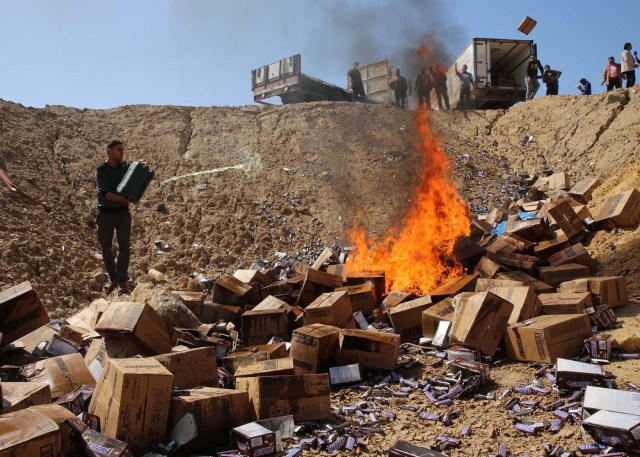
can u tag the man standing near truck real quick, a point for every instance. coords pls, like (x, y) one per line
(440, 84)
(423, 88)
(400, 87)
(628, 66)
(356, 83)
(466, 83)
(531, 77)
(550, 78)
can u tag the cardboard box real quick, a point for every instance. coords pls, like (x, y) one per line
(41, 337)
(254, 354)
(565, 303)
(480, 322)
(258, 327)
(100, 350)
(63, 374)
(28, 433)
(60, 416)
(216, 412)
(88, 317)
(256, 279)
(369, 348)
(603, 399)
(313, 347)
(559, 181)
(345, 374)
(622, 210)
(513, 261)
(599, 347)
(615, 429)
(524, 300)
(306, 397)
(72, 334)
(470, 368)
(583, 212)
(555, 275)
(333, 308)
(582, 191)
(486, 269)
(22, 395)
(255, 440)
(317, 283)
(484, 284)
(531, 230)
(138, 322)
(441, 311)
(132, 402)
(609, 290)
(406, 318)
(21, 312)
(339, 269)
(394, 298)
(467, 252)
(192, 300)
(376, 277)
(521, 244)
(273, 367)
(191, 368)
(546, 248)
(229, 290)
(567, 220)
(213, 313)
(527, 25)
(574, 254)
(454, 286)
(572, 375)
(538, 286)
(363, 297)
(545, 338)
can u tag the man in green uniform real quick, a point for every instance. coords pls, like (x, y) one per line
(113, 215)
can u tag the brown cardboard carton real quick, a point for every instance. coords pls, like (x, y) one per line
(531, 229)
(545, 338)
(610, 290)
(313, 347)
(441, 311)
(138, 322)
(229, 290)
(538, 286)
(63, 374)
(369, 348)
(41, 337)
(527, 25)
(256, 279)
(216, 412)
(72, 334)
(191, 368)
(28, 433)
(192, 300)
(454, 286)
(546, 248)
(363, 297)
(275, 367)
(615, 429)
(258, 327)
(333, 308)
(132, 402)
(100, 350)
(375, 277)
(567, 220)
(622, 210)
(555, 275)
(339, 269)
(21, 312)
(315, 284)
(215, 312)
(306, 397)
(394, 298)
(480, 322)
(60, 416)
(513, 261)
(483, 284)
(271, 302)
(83, 319)
(281, 289)
(574, 254)
(253, 354)
(467, 252)
(573, 375)
(583, 212)
(255, 440)
(486, 269)
(406, 318)
(22, 395)
(582, 191)
(599, 346)
(521, 244)
(524, 300)
(559, 181)
(565, 302)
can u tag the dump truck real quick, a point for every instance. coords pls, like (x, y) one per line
(285, 79)
(498, 67)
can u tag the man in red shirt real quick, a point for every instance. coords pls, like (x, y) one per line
(612, 75)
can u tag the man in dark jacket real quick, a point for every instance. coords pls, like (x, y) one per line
(399, 86)
(584, 87)
(550, 78)
(113, 215)
(423, 88)
(357, 86)
(466, 84)
(440, 84)
(531, 76)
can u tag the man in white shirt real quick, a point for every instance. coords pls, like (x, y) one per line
(628, 66)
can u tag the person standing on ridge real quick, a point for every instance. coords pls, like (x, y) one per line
(440, 84)
(612, 75)
(550, 78)
(466, 84)
(113, 215)
(400, 87)
(584, 87)
(357, 86)
(423, 88)
(531, 77)
(628, 66)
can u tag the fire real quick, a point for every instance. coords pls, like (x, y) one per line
(417, 256)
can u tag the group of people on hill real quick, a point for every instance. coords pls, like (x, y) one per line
(613, 75)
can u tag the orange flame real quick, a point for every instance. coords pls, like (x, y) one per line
(417, 257)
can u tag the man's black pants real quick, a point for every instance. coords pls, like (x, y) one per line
(119, 222)
(552, 88)
(465, 98)
(614, 83)
(358, 93)
(631, 78)
(424, 99)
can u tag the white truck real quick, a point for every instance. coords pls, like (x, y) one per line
(498, 67)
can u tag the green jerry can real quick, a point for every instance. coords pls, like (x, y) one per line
(136, 180)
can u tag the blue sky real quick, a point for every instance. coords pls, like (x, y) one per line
(101, 54)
